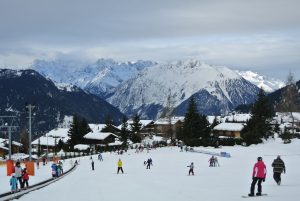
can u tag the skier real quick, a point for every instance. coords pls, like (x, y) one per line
(191, 166)
(100, 158)
(149, 163)
(25, 177)
(13, 183)
(93, 164)
(211, 161)
(120, 165)
(18, 173)
(278, 168)
(258, 175)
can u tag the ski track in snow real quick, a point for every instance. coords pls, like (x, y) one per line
(168, 180)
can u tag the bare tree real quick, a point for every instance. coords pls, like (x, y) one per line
(168, 113)
(289, 102)
(24, 140)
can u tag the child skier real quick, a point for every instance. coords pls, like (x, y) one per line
(25, 177)
(120, 166)
(13, 183)
(54, 169)
(258, 175)
(191, 166)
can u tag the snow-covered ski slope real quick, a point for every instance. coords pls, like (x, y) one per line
(168, 181)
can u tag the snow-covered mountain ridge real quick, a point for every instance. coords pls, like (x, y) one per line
(99, 78)
(216, 88)
(268, 84)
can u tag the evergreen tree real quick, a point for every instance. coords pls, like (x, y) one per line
(258, 126)
(214, 123)
(290, 100)
(78, 129)
(135, 129)
(124, 132)
(195, 127)
(108, 125)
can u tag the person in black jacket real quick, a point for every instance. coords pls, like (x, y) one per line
(278, 168)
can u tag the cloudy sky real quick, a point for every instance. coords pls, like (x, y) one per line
(258, 35)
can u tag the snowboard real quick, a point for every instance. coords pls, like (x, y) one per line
(247, 196)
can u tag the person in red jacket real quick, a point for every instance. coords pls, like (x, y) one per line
(258, 176)
(25, 178)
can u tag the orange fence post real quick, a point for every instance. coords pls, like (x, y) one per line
(30, 168)
(10, 167)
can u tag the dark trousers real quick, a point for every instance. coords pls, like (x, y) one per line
(254, 181)
(93, 167)
(120, 168)
(25, 182)
(191, 172)
(20, 181)
(148, 166)
(277, 176)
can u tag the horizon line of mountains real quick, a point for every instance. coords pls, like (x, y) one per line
(110, 89)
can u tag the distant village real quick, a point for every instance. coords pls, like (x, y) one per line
(152, 133)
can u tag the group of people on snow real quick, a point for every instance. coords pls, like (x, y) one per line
(213, 161)
(57, 169)
(260, 171)
(19, 176)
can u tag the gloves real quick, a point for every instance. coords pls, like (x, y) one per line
(264, 179)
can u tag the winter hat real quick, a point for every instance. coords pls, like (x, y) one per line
(259, 158)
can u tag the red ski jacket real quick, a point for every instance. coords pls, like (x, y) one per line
(259, 170)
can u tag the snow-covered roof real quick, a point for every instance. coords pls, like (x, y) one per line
(211, 119)
(58, 133)
(116, 143)
(4, 141)
(165, 121)
(286, 117)
(81, 147)
(98, 135)
(97, 127)
(229, 127)
(3, 147)
(46, 141)
(237, 117)
(153, 139)
(144, 122)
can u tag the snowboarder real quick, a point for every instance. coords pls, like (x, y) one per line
(191, 166)
(258, 175)
(13, 183)
(61, 167)
(278, 168)
(25, 177)
(120, 166)
(18, 173)
(93, 164)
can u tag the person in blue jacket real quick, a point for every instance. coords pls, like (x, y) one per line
(13, 183)
(54, 170)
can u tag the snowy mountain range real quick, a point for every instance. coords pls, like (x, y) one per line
(99, 78)
(268, 84)
(217, 89)
(143, 87)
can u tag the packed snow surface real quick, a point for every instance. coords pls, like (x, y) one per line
(168, 180)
